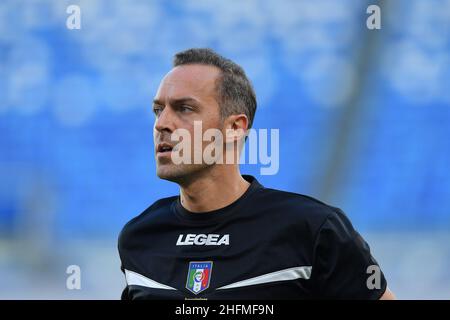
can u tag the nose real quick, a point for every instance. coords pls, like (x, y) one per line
(164, 122)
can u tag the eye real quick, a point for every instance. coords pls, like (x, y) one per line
(157, 110)
(185, 108)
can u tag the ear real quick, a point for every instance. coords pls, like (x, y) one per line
(235, 127)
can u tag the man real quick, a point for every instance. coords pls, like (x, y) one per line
(226, 236)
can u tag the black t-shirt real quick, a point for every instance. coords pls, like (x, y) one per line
(268, 244)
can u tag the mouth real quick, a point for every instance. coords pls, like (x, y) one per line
(164, 149)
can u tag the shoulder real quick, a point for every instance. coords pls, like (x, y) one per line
(299, 208)
(157, 209)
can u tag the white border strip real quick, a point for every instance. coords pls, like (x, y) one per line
(282, 275)
(136, 279)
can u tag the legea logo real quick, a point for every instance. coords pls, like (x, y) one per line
(203, 240)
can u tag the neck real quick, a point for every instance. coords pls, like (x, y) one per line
(220, 187)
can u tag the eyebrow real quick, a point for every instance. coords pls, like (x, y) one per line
(176, 101)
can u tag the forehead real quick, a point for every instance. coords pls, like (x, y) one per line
(198, 81)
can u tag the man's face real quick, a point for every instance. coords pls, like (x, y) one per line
(186, 94)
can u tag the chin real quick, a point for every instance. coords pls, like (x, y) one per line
(166, 173)
(174, 173)
(179, 173)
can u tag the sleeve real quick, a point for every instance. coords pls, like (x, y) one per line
(125, 293)
(343, 267)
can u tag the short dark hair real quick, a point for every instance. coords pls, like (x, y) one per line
(234, 90)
